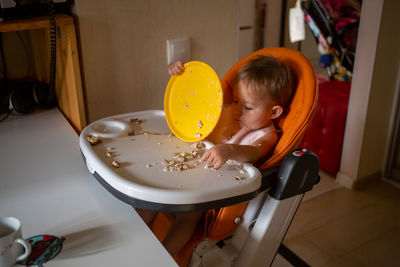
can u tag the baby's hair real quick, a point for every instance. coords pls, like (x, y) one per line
(267, 74)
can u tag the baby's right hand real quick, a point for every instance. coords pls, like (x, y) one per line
(217, 155)
(176, 68)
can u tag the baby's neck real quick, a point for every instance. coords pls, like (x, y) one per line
(269, 124)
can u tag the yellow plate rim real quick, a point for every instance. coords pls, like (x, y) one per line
(169, 94)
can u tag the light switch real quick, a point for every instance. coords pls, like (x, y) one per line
(178, 49)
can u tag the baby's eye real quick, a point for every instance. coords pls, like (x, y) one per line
(248, 108)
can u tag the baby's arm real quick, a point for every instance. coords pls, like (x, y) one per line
(176, 68)
(219, 154)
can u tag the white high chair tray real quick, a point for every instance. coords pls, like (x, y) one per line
(141, 178)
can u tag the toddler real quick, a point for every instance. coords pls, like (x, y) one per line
(263, 90)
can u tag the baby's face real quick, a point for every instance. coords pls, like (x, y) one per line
(251, 110)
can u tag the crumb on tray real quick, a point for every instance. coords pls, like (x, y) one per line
(116, 164)
(93, 140)
(198, 145)
(172, 165)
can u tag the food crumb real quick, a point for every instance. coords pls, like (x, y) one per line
(131, 132)
(116, 164)
(230, 162)
(198, 145)
(209, 167)
(172, 165)
(136, 121)
(93, 140)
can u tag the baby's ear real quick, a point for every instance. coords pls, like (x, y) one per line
(276, 112)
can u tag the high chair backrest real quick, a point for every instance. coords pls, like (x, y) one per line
(297, 117)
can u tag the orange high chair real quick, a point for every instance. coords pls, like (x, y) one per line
(250, 233)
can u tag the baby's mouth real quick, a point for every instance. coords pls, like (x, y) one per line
(240, 122)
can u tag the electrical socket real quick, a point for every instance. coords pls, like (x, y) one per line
(178, 49)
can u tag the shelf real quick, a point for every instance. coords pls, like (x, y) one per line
(68, 74)
(34, 23)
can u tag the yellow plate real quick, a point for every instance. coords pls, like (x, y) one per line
(193, 102)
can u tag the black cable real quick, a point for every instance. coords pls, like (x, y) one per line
(53, 50)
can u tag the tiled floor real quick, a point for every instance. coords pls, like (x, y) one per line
(335, 226)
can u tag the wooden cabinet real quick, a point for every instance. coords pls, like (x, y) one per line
(68, 76)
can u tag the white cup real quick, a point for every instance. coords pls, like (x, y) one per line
(13, 247)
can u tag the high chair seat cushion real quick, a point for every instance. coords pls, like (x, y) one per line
(295, 120)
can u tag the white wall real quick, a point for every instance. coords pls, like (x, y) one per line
(372, 91)
(246, 21)
(383, 88)
(123, 46)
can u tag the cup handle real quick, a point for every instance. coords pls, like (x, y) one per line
(26, 246)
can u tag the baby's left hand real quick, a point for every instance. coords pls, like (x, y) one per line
(217, 155)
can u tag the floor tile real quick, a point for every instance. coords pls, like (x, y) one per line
(351, 231)
(382, 251)
(325, 209)
(307, 251)
(343, 262)
(326, 184)
(335, 226)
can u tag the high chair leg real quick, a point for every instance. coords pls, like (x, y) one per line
(257, 239)
(268, 232)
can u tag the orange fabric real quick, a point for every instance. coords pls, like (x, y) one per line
(293, 125)
(161, 224)
(224, 224)
(302, 105)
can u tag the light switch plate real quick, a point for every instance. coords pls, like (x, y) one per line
(178, 49)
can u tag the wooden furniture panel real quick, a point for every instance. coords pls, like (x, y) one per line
(68, 76)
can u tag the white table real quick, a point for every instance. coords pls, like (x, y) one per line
(44, 182)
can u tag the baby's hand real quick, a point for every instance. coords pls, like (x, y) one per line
(217, 155)
(176, 68)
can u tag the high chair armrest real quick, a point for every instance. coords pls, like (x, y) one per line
(297, 175)
(268, 177)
